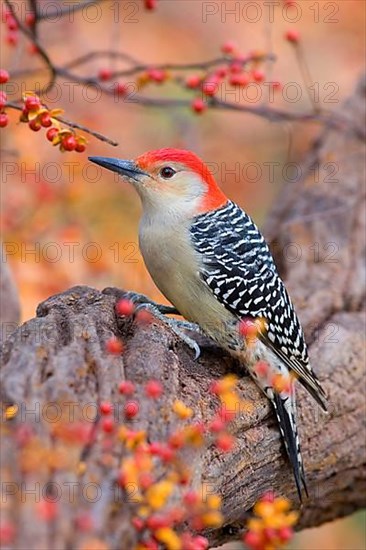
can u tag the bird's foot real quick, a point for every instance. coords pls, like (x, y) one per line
(176, 325)
(141, 299)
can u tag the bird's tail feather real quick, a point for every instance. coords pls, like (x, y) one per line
(285, 409)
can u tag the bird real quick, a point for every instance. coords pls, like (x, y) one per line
(209, 259)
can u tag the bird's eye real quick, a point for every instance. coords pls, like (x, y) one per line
(167, 172)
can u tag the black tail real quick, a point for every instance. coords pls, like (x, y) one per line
(286, 415)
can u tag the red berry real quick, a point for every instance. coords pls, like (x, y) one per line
(126, 387)
(191, 498)
(193, 81)
(236, 67)
(3, 98)
(258, 75)
(292, 35)
(221, 72)
(157, 521)
(4, 76)
(11, 23)
(138, 523)
(247, 328)
(210, 87)
(4, 120)
(131, 409)
(285, 533)
(268, 497)
(125, 307)
(217, 425)
(150, 4)
(121, 88)
(261, 368)
(225, 442)
(241, 79)
(198, 105)
(45, 120)
(105, 74)
(12, 38)
(80, 148)
(157, 75)
(7, 533)
(34, 125)
(32, 103)
(30, 19)
(253, 540)
(153, 389)
(105, 407)
(114, 345)
(107, 424)
(51, 133)
(84, 522)
(69, 143)
(32, 48)
(228, 47)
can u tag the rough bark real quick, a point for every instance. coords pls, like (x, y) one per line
(60, 356)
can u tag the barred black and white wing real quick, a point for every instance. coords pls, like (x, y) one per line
(239, 269)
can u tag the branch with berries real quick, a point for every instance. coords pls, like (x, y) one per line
(200, 86)
(100, 396)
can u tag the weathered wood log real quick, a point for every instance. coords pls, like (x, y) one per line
(59, 357)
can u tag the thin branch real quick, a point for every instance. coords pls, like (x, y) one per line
(41, 51)
(74, 125)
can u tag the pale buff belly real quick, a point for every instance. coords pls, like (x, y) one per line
(174, 268)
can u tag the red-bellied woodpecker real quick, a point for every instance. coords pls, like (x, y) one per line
(209, 259)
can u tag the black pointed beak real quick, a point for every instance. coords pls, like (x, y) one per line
(126, 168)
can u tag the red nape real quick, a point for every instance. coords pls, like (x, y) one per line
(213, 199)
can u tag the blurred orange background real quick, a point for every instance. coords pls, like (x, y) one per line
(65, 223)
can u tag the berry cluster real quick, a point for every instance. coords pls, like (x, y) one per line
(39, 116)
(272, 526)
(237, 71)
(12, 28)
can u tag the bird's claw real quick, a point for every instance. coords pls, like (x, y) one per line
(176, 325)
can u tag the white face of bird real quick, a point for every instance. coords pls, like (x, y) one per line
(168, 181)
